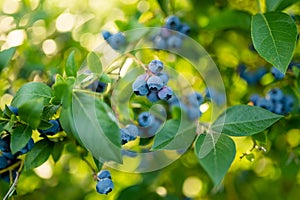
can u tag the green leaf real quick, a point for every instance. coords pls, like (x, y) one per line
(164, 6)
(57, 150)
(71, 69)
(67, 122)
(174, 135)
(277, 5)
(32, 91)
(20, 137)
(274, 37)
(31, 112)
(244, 120)
(217, 162)
(39, 154)
(63, 91)
(94, 63)
(6, 56)
(98, 164)
(96, 127)
(230, 19)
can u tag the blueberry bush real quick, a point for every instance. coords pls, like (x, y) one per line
(158, 99)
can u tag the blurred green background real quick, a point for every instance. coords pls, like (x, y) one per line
(44, 32)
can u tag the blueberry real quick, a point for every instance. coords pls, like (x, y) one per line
(216, 96)
(55, 128)
(128, 133)
(139, 86)
(173, 22)
(145, 119)
(165, 32)
(165, 93)
(185, 29)
(174, 42)
(159, 42)
(195, 99)
(13, 109)
(164, 77)
(275, 94)
(4, 145)
(253, 77)
(101, 86)
(152, 96)
(116, 41)
(254, 98)
(276, 73)
(104, 186)
(104, 174)
(28, 147)
(106, 34)
(288, 103)
(8, 155)
(264, 103)
(193, 113)
(3, 162)
(278, 108)
(155, 83)
(156, 67)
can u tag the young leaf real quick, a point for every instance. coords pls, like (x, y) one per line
(71, 69)
(5, 56)
(32, 91)
(31, 112)
(97, 130)
(94, 63)
(20, 137)
(244, 120)
(217, 162)
(175, 134)
(277, 5)
(274, 37)
(38, 154)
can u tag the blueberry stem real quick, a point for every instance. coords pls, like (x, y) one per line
(130, 55)
(11, 167)
(12, 187)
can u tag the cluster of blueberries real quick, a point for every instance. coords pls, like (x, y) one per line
(104, 182)
(6, 157)
(171, 34)
(275, 101)
(116, 41)
(253, 77)
(153, 83)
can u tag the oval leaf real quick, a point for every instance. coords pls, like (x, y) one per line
(20, 137)
(31, 112)
(244, 120)
(71, 69)
(97, 130)
(274, 37)
(31, 91)
(38, 154)
(273, 5)
(217, 162)
(94, 63)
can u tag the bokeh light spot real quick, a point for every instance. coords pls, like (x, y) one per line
(15, 38)
(65, 22)
(192, 186)
(49, 47)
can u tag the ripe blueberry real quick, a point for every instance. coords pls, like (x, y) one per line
(106, 34)
(156, 67)
(254, 98)
(193, 113)
(116, 41)
(152, 96)
(185, 29)
(173, 22)
(28, 147)
(160, 42)
(155, 83)
(165, 93)
(139, 86)
(103, 174)
(264, 103)
(195, 99)
(174, 42)
(276, 73)
(275, 94)
(13, 109)
(164, 77)
(55, 128)
(104, 186)
(145, 119)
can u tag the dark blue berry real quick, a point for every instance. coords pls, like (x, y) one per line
(185, 29)
(193, 113)
(104, 186)
(264, 103)
(152, 96)
(173, 22)
(55, 128)
(3, 162)
(139, 86)
(145, 119)
(106, 34)
(288, 103)
(155, 83)
(28, 147)
(104, 174)
(156, 67)
(275, 94)
(14, 110)
(276, 73)
(101, 86)
(254, 98)
(153, 128)
(164, 77)
(165, 93)
(159, 43)
(116, 41)
(195, 99)
(174, 42)
(128, 133)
